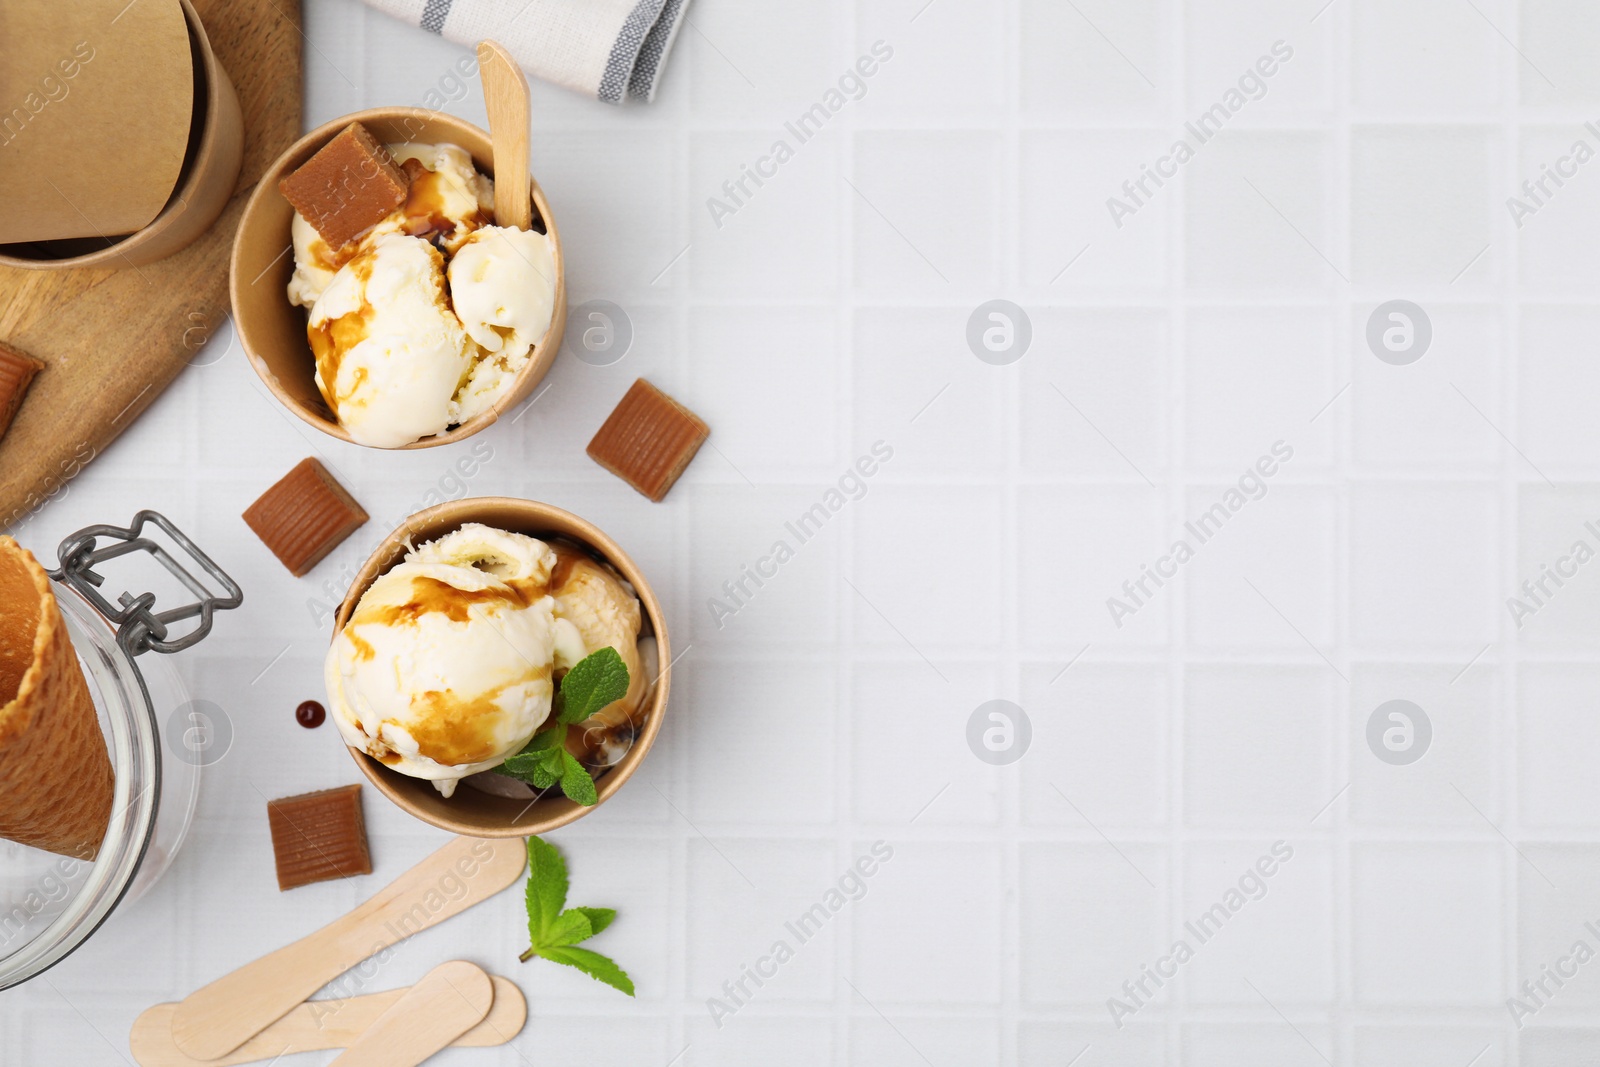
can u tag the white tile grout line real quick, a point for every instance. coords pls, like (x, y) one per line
(1335, 24)
(680, 283)
(1009, 683)
(845, 317)
(1509, 666)
(1176, 606)
(1175, 501)
(844, 562)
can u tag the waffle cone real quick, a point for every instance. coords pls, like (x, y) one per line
(55, 776)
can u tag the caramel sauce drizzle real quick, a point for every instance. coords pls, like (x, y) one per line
(332, 338)
(453, 731)
(423, 211)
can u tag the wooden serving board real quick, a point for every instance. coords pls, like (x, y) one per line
(112, 340)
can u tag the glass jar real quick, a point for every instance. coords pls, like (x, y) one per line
(51, 904)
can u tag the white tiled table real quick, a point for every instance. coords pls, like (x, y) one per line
(1229, 712)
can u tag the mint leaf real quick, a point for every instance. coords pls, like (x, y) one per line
(576, 781)
(524, 764)
(547, 889)
(543, 778)
(599, 918)
(600, 678)
(600, 968)
(518, 766)
(570, 927)
(545, 741)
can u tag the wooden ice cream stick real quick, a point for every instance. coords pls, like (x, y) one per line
(319, 1024)
(450, 1000)
(216, 1019)
(505, 94)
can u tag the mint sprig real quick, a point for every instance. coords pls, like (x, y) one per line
(599, 679)
(554, 930)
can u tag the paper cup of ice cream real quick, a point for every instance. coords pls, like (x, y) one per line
(417, 324)
(499, 667)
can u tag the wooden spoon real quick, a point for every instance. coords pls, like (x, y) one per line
(216, 1019)
(319, 1024)
(450, 1000)
(505, 93)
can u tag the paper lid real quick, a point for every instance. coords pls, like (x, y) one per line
(96, 102)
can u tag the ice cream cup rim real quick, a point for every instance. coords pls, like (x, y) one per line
(549, 812)
(544, 350)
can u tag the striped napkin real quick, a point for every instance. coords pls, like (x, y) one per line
(609, 49)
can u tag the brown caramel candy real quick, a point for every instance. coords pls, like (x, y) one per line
(319, 836)
(17, 369)
(304, 517)
(349, 186)
(648, 440)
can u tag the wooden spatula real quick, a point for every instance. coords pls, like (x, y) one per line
(216, 1019)
(317, 1025)
(505, 94)
(450, 1000)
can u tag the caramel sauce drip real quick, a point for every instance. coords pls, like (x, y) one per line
(431, 595)
(452, 731)
(567, 555)
(424, 209)
(332, 338)
(330, 259)
(364, 649)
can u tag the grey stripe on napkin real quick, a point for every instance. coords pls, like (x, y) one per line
(642, 86)
(613, 50)
(625, 50)
(434, 12)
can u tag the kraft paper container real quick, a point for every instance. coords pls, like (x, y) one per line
(469, 811)
(209, 173)
(273, 331)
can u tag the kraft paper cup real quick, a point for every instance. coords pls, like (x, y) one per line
(273, 331)
(469, 811)
(211, 171)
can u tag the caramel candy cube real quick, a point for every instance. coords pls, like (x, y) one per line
(319, 836)
(17, 369)
(648, 440)
(349, 186)
(304, 517)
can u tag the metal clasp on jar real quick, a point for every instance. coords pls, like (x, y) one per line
(141, 628)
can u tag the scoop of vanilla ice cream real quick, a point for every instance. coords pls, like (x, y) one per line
(390, 353)
(605, 611)
(503, 286)
(445, 666)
